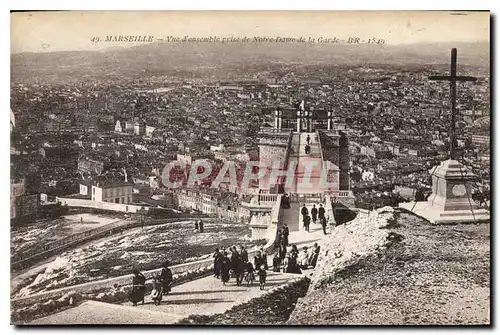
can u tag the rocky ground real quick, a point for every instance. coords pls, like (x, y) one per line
(402, 272)
(31, 236)
(145, 249)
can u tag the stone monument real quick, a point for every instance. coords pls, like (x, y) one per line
(451, 198)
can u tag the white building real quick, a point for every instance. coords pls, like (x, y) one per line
(149, 131)
(118, 126)
(219, 148)
(119, 192)
(367, 175)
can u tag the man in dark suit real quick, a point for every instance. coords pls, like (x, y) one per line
(321, 212)
(304, 211)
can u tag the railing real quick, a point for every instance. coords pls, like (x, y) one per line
(340, 193)
(276, 209)
(287, 158)
(306, 198)
(268, 197)
(320, 147)
(264, 200)
(274, 224)
(275, 130)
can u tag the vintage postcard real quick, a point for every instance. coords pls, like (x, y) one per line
(250, 168)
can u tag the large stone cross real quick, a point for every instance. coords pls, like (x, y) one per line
(453, 78)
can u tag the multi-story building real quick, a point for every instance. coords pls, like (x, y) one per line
(118, 192)
(139, 128)
(90, 165)
(226, 209)
(23, 206)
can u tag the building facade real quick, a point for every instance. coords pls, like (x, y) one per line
(210, 205)
(90, 165)
(116, 192)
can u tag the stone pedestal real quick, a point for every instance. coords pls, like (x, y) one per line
(450, 200)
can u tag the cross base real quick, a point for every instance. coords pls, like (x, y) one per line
(450, 200)
(438, 216)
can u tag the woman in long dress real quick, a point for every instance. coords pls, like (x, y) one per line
(282, 252)
(217, 256)
(166, 278)
(138, 287)
(224, 269)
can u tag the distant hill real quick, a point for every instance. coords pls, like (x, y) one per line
(199, 58)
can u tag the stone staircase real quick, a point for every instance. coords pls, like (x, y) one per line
(309, 166)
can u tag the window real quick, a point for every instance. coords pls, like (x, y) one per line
(117, 200)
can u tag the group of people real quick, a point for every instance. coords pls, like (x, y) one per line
(239, 266)
(161, 285)
(292, 261)
(316, 214)
(307, 148)
(282, 236)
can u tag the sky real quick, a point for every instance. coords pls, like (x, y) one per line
(74, 30)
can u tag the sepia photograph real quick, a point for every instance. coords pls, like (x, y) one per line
(256, 168)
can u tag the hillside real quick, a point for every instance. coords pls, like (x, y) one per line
(407, 273)
(209, 59)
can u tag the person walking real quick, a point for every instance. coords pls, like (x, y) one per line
(264, 259)
(235, 264)
(308, 139)
(307, 222)
(276, 263)
(201, 227)
(282, 253)
(321, 212)
(217, 262)
(323, 224)
(243, 254)
(294, 253)
(166, 278)
(304, 211)
(258, 261)
(279, 238)
(314, 213)
(262, 277)
(225, 268)
(138, 287)
(285, 233)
